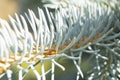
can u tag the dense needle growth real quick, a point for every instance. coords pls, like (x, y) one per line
(69, 31)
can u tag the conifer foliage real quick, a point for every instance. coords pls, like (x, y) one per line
(70, 29)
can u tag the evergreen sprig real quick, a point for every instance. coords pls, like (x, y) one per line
(70, 31)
